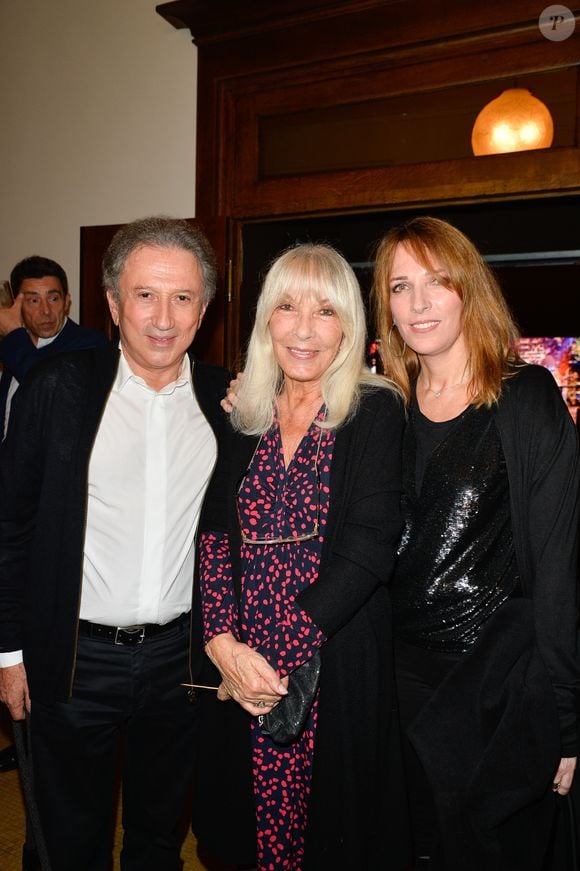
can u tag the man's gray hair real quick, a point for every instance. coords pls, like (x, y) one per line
(159, 232)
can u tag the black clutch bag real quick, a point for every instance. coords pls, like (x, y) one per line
(285, 722)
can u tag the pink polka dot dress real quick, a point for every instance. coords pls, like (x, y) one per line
(275, 504)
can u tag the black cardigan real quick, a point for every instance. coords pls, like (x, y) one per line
(540, 446)
(492, 734)
(354, 820)
(43, 494)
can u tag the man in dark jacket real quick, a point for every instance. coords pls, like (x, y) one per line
(102, 476)
(37, 325)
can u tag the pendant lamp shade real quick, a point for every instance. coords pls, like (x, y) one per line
(514, 121)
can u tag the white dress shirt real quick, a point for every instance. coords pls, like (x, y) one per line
(149, 468)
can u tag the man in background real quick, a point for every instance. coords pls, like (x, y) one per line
(36, 326)
(102, 477)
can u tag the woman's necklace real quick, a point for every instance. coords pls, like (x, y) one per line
(437, 393)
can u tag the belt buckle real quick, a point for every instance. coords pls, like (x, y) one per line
(136, 634)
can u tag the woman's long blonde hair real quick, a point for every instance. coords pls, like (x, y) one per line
(488, 326)
(320, 271)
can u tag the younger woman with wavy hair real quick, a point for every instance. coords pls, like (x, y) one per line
(487, 323)
(484, 591)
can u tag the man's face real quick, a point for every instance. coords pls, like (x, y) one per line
(44, 306)
(159, 311)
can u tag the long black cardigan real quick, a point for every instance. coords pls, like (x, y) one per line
(492, 734)
(355, 819)
(43, 495)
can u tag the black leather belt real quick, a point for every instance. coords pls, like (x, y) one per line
(128, 634)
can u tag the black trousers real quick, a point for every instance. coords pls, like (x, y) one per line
(419, 673)
(129, 699)
(528, 840)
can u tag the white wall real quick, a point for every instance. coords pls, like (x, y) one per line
(97, 121)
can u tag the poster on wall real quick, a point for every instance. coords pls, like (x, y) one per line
(561, 355)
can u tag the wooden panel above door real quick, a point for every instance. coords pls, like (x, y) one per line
(267, 69)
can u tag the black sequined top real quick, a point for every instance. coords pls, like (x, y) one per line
(456, 561)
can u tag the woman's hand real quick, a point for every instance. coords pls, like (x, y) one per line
(564, 775)
(231, 397)
(246, 676)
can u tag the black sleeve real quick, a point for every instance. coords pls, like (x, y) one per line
(21, 457)
(365, 489)
(544, 485)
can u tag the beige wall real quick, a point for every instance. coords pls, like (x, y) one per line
(97, 116)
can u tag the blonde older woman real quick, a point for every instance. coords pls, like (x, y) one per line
(297, 545)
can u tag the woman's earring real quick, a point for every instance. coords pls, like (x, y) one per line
(402, 354)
